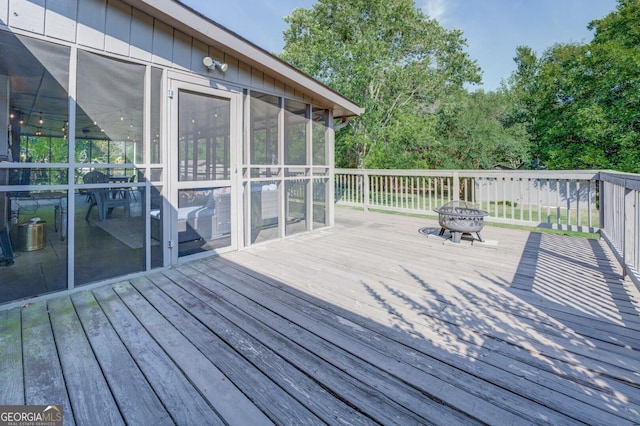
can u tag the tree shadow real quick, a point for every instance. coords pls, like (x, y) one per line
(516, 344)
(480, 344)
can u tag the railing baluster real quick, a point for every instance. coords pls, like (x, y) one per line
(348, 187)
(568, 186)
(548, 201)
(502, 183)
(422, 187)
(558, 212)
(403, 192)
(539, 199)
(495, 197)
(430, 193)
(589, 201)
(578, 222)
(520, 199)
(413, 188)
(387, 192)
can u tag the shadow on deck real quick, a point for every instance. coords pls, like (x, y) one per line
(369, 322)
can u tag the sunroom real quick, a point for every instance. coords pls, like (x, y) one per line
(141, 134)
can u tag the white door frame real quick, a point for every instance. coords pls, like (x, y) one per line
(174, 185)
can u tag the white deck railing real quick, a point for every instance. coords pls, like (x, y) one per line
(620, 213)
(587, 201)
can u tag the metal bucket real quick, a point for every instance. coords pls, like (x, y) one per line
(30, 236)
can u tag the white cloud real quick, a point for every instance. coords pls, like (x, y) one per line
(436, 9)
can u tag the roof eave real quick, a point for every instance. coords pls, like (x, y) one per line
(191, 22)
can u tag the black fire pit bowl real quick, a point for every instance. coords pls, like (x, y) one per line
(460, 217)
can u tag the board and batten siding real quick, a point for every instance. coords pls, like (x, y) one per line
(117, 28)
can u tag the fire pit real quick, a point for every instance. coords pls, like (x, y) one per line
(459, 217)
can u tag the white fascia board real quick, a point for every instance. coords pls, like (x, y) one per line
(199, 26)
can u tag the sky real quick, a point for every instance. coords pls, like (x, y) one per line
(493, 28)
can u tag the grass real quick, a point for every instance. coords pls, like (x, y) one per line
(497, 209)
(589, 235)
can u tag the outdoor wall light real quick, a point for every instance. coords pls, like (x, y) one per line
(212, 64)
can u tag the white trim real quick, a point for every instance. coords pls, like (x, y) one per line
(200, 80)
(146, 146)
(71, 191)
(309, 167)
(331, 164)
(165, 129)
(174, 184)
(282, 208)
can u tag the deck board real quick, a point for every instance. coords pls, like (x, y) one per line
(43, 377)
(11, 376)
(185, 404)
(280, 362)
(87, 387)
(465, 375)
(363, 385)
(136, 400)
(341, 335)
(369, 322)
(267, 381)
(230, 404)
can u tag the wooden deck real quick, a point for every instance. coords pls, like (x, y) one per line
(369, 322)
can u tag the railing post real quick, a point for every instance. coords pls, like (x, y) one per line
(365, 185)
(601, 204)
(628, 228)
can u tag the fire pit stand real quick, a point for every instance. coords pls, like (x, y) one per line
(460, 218)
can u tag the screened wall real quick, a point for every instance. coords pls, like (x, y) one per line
(33, 165)
(76, 180)
(287, 167)
(88, 189)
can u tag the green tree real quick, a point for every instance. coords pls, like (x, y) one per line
(478, 132)
(582, 99)
(394, 61)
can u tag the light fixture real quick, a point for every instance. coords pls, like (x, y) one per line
(212, 64)
(40, 120)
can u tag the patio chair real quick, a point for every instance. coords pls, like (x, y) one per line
(106, 199)
(132, 191)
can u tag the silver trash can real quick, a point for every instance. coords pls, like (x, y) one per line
(30, 236)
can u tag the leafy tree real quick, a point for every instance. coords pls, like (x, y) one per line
(478, 132)
(582, 99)
(394, 61)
